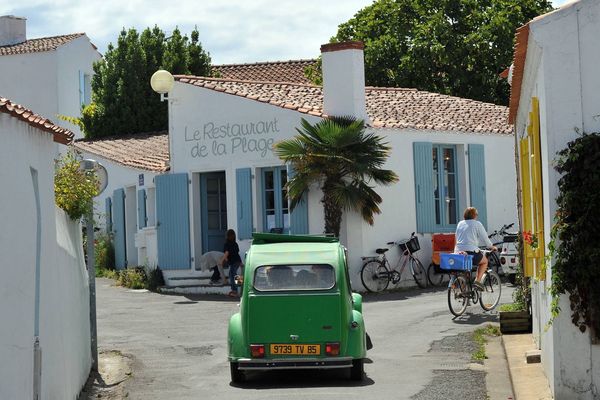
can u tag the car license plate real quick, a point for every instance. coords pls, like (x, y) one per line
(296, 349)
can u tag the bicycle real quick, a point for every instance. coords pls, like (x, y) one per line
(461, 291)
(436, 275)
(376, 272)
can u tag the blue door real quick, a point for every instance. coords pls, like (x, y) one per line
(213, 205)
(118, 226)
(173, 224)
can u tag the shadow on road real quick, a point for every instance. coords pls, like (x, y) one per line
(475, 319)
(300, 379)
(195, 298)
(400, 294)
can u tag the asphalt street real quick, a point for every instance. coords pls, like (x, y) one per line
(179, 351)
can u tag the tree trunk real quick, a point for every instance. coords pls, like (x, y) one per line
(333, 213)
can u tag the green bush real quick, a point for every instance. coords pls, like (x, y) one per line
(155, 279)
(104, 251)
(74, 190)
(134, 278)
(107, 273)
(574, 243)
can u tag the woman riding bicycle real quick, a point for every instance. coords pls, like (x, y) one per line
(470, 233)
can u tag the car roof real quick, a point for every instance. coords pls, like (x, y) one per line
(294, 253)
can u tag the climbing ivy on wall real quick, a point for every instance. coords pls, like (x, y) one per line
(576, 234)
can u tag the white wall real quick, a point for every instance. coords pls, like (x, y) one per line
(398, 219)
(65, 315)
(30, 80)
(77, 55)
(195, 110)
(48, 82)
(561, 70)
(64, 306)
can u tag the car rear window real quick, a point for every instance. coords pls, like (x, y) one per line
(294, 277)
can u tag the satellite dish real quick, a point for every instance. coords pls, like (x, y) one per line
(99, 170)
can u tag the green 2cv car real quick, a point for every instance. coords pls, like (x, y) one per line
(297, 310)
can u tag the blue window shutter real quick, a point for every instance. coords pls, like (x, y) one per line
(243, 182)
(118, 215)
(173, 223)
(141, 198)
(477, 181)
(299, 215)
(81, 88)
(108, 214)
(424, 196)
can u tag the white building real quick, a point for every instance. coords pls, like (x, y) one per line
(555, 95)
(44, 287)
(223, 173)
(52, 75)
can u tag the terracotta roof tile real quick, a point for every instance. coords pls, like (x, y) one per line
(148, 151)
(277, 71)
(61, 135)
(386, 107)
(38, 45)
(520, 55)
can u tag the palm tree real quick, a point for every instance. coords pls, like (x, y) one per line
(344, 161)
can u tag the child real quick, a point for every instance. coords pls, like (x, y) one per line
(232, 258)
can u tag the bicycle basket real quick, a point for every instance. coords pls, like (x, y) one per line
(456, 262)
(412, 245)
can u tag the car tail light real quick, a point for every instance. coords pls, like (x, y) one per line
(502, 260)
(513, 260)
(257, 350)
(332, 349)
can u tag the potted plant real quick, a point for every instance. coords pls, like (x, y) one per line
(515, 317)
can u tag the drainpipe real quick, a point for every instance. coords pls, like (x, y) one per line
(37, 350)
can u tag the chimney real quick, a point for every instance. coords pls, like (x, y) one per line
(344, 79)
(12, 30)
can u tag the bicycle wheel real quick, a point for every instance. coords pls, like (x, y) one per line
(458, 295)
(418, 272)
(434, 278)
(374, 276)
(490, 295)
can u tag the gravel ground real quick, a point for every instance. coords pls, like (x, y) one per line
(452, 383)
(455, 385)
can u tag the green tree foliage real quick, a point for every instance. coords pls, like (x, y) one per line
(455, 47)
(123, 101)
(345, 161)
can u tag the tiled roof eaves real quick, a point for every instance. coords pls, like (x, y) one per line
(481, 125)
(145, 151)
(206, 83)
(520, 56)
(260, 63)
(60, 134)
(482, 132)
(39, 45)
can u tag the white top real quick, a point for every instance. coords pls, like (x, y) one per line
(470, 234)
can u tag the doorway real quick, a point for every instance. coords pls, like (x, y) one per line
(213, 206)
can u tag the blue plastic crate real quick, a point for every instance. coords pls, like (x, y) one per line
(456, 262)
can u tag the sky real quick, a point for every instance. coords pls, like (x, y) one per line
(233, 31)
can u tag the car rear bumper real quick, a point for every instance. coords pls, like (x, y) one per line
(295, 363)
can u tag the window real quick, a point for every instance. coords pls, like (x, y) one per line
(85, 88)
(294, 277)
(447, 179)
(276, 213)
(445, 185)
